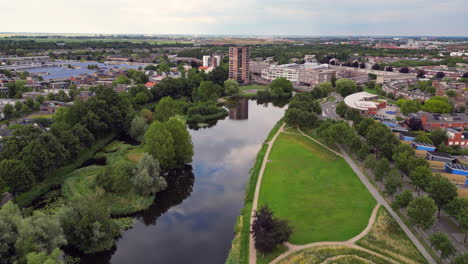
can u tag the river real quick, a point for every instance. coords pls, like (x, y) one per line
(193, 220)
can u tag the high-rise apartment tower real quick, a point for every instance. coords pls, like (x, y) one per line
(239, 68)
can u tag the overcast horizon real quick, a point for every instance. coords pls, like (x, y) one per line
(238, 17)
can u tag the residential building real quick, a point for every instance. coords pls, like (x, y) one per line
(212, 60)
(288, 71)
(314, 77)
(239, 68)
(457, 138)
(430, 121)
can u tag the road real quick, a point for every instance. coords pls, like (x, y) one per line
(329, 108)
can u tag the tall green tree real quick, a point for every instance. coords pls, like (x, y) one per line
(138, 128)
(442, 191)
(160, 144)
(421, 177)
(148, 179)
(346, 87)
(231, 87)
(16, 176)
(183, 145)
(393, 182)
(87, 226)
(165, 109)
(460, 259)
(421, 212)
(441, 242)
(341, 109)
(402, 200)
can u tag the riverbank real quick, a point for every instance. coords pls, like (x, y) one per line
(58, 176)
(239, 253)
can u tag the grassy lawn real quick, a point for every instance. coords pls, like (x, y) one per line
(318, 255)
(265, 259)
(315, 190)
(248, 89)
(387, 238)
(371, 91)
(41, 116)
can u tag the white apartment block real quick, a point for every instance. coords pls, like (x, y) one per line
(212, 60)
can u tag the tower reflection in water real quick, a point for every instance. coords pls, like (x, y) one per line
(239, 110)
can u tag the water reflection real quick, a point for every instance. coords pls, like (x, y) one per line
(239, 110)
(179, 187)
(194, 223)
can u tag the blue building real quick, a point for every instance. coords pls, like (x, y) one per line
(456, 169)
(405, 136)
(423, 146)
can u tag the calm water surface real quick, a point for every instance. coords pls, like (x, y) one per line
(193, 220)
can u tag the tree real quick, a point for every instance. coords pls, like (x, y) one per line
(326, 86)
(165, 109)
(382, 169)
(269, 231)
(207, 91)
(8, 111)
(16, 176)
(451, 93)
(146, 114)
(408, 106)
(115, 178)
(346, 87)
(439, 136)
(440, 241)
(402, 200)
(462, 218)
(404, 70)
(370, 162)
(461, 259)
(393, 182)
(363, 152)
(421, 212)
(138, 128)
(231, 87)
(341, 109)
(440, 75)
(87, 225)
(56, 257)
(376, 67)
(141, 98)
(421, 74)
(10, 218)
(39, 233)
(421, 177)
(281, 87)
(122, 79)
(183, 145)
(160, 144)
(437, 104)
(148, 179)
(442, 191)
(423, 138)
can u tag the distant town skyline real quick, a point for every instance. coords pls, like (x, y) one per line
(239, 17)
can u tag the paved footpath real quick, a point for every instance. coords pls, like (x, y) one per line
(252, 250)
(382, 201)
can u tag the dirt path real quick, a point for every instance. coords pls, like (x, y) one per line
(349, 243)
(344, 256)
(318, 142)
(252, 250)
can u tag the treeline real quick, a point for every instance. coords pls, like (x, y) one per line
(388, 160)
(30, 154)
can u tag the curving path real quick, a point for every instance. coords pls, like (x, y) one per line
(349, 243)
(252, 250)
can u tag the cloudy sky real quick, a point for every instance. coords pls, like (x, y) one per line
(238, 17)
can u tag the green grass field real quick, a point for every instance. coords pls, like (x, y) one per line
(315, 190)
(244, 90)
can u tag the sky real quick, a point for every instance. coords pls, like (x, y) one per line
(238, 17)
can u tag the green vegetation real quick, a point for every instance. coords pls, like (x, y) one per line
(251, 90)
(268, 257)
(304, 180)
(317, 255)
(387, 238)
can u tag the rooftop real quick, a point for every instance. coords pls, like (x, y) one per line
(361, 100)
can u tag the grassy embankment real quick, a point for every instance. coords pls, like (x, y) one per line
(58, 176)
(80, 183)
(387, 238)
(318, 255)
(239, 253)
(315, 190)
(250, 90)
